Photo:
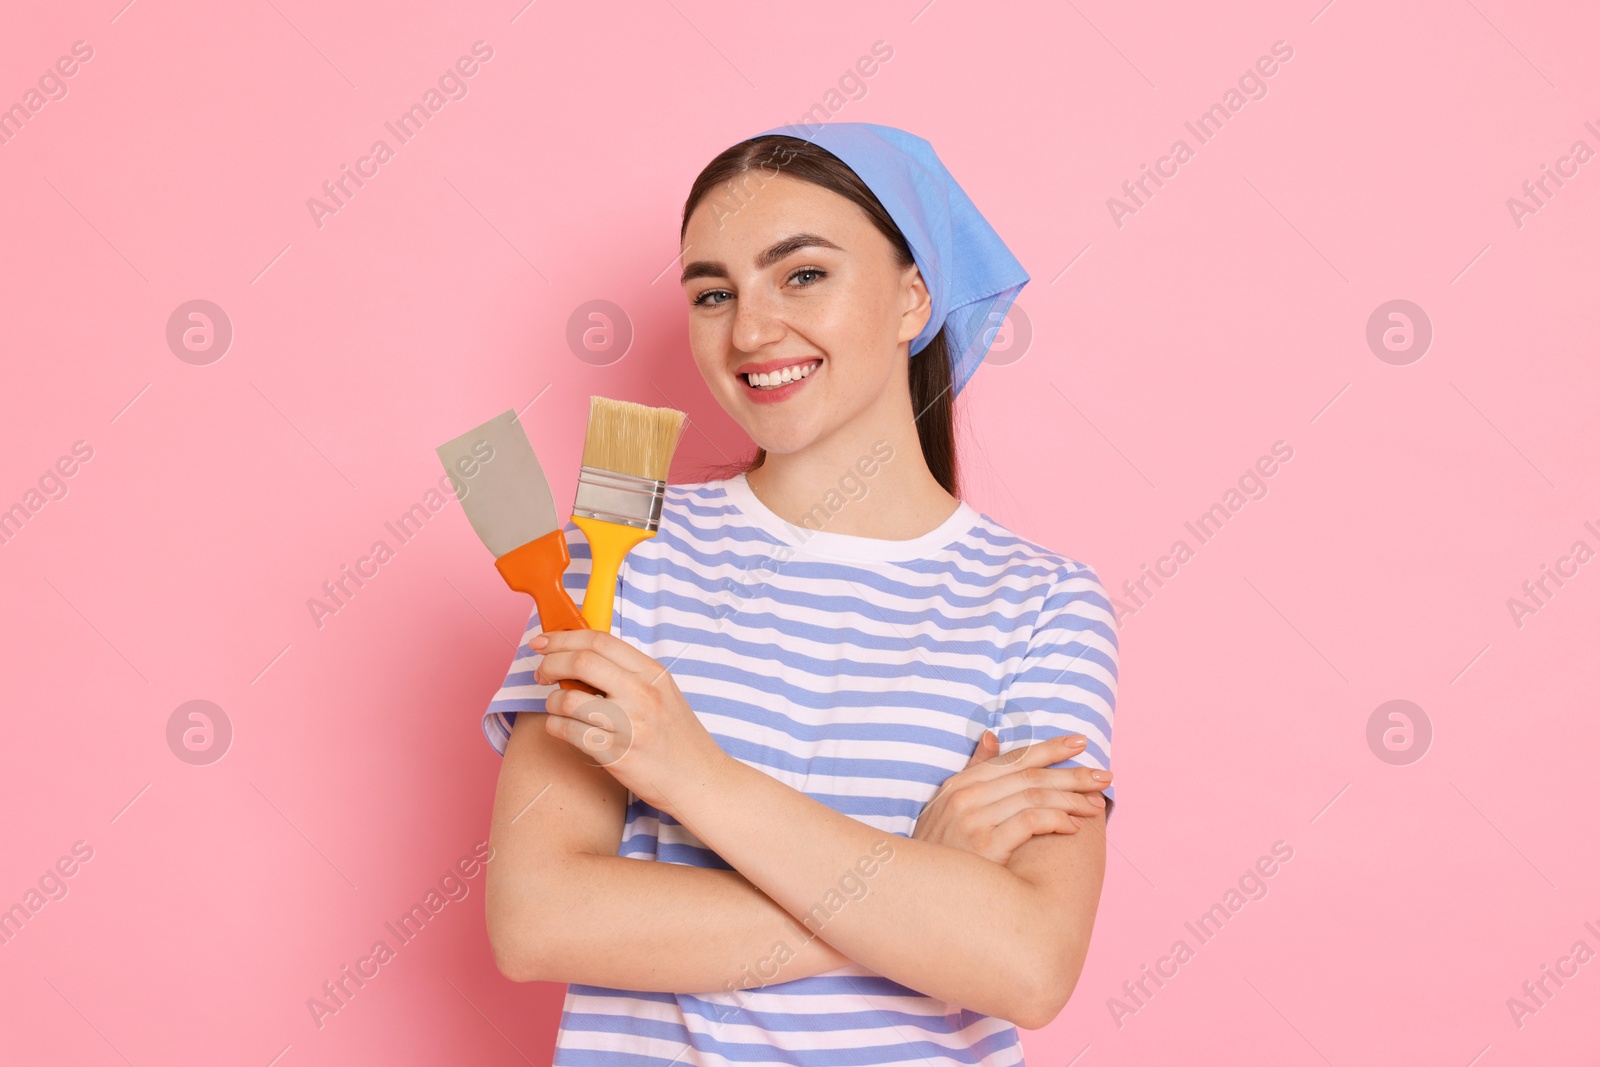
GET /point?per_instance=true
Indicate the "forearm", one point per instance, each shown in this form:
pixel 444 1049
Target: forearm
pixel 987 953
pixel 662 927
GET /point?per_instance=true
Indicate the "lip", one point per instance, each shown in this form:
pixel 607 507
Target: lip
pixel 782 392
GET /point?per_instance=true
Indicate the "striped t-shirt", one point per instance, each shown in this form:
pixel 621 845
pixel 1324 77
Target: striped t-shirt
pixel 862 672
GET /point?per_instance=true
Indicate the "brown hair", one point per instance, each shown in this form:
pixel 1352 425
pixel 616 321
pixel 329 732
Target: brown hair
pixel 932 399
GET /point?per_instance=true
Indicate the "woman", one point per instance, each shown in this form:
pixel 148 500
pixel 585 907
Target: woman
pixel 801 658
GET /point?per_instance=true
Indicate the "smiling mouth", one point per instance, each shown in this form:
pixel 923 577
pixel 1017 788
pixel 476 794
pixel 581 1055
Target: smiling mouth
pixel 780 378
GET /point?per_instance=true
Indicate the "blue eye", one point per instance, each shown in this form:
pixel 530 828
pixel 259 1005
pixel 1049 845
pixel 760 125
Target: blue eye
pixel 704 298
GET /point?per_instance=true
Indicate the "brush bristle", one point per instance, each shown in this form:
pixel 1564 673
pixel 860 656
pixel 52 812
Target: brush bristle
pixel 631 438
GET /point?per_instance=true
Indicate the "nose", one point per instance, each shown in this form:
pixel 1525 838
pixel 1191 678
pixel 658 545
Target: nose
pixel 756 320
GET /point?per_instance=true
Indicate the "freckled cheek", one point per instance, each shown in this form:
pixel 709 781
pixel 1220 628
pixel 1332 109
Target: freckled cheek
pixel 853 342
pixel 708 344
pixel 834 327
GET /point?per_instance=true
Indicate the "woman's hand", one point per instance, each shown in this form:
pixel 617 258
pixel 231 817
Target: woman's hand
pixel 642 730
pixel 997 802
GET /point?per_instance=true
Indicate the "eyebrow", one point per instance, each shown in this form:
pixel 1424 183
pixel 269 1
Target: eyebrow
pixel 706 268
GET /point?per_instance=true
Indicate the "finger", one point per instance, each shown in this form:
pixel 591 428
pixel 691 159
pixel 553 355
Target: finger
pixel 986 748
pixel 568 702
pixel 1038 782
pixel 1079 779
pixel 602 725
pixel 588 665
pixel 1087 805
pixel 608 645
pixel 1009 835
pixel 1038 754
pixel 1074 779
pixel 590 738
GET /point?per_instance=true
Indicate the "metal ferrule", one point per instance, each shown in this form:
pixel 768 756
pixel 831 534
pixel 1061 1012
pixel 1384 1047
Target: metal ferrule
pixel 620 498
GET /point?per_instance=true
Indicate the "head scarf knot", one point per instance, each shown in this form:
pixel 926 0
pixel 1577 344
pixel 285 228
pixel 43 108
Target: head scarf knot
pixel 971 275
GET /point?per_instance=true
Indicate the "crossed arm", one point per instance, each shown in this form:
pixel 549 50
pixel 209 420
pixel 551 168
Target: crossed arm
pixel 1007 941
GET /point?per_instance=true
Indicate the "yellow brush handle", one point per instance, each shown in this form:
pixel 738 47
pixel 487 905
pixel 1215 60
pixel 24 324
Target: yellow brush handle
pixel 608 543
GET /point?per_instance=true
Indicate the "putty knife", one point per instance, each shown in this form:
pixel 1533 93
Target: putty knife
pixel 507 499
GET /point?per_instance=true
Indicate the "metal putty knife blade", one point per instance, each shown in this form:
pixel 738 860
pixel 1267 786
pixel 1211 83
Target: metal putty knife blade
pixel 500 484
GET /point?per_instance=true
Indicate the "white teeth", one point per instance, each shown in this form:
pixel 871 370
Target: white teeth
pixel 784 376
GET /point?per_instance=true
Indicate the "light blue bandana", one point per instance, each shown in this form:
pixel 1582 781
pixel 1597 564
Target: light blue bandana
pixel 970 273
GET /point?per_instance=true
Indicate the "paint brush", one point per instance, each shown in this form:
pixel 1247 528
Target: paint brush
pixel 627 451
pixel 503 490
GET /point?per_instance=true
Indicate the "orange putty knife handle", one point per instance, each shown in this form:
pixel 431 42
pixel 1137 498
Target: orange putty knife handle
pixel 536 569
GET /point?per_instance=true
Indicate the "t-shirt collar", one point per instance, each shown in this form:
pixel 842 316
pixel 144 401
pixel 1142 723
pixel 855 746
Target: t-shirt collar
pixel 821 541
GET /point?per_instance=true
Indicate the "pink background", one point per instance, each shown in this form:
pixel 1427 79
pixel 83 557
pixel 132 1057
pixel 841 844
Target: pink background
pixel 1167 355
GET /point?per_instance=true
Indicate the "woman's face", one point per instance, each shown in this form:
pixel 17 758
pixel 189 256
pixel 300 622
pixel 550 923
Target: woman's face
pixel 786 278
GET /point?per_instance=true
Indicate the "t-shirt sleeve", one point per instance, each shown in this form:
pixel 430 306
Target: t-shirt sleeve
pixel 519 693
pixel 1067 682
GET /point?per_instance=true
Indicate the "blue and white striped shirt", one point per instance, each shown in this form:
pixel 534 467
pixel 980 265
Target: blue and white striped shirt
pixel 862 672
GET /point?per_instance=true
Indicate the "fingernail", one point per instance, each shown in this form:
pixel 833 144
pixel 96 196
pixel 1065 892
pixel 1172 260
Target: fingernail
pixel 1100 776
pixel 538 641
pixel 1074 739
